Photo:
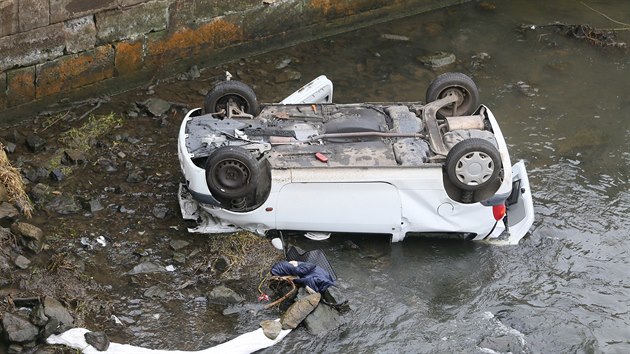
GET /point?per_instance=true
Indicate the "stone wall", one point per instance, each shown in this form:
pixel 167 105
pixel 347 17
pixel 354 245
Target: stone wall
pixel 50 48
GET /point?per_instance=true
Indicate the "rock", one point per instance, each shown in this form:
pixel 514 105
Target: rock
pixel 31 236
pixel 9 147
pixel 21 262
pixel 179 244
pixel 288 75
pixel 155 292
pixel 156 106
pixel 135 177
pixel 64 205
pixel 35 143
pixel 437 60
pixel 56 175
pixel 98 340
pixel 502 344
pixel 283 63
pixel 95 205
pixel 146 267
pixel 271 328
pixel 526 89
pixel 74 156
pixel 193 73
pixel 55 310
pixel 39 193
pixel 18 328
pixel 38 316
pixel 394 37
pixel 36 174
pixel 322 320
pixel 160 211
pixel 487 6
pixel 223 295
pixel 297 312
pixel 8 211
pixel 51 327
pixel 15 349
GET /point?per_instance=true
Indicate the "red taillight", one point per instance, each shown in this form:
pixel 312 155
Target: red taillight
pixel 498 211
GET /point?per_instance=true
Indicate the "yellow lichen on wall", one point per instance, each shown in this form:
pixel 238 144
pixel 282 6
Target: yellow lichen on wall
pixel 333 7
pixel 129 57
pixel 193 41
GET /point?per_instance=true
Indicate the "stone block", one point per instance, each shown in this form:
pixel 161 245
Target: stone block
pixel 208 9
pixel 125 3
pixel 20 86
pixel 8 17
pixel 32 47
pixel 61 10
pixel 80 34
pixel 129 23
pixel 33 14
pixel 129 56
pixel 286 16
pixel 75 70
pixel 331 9
pixel 166 47
pixel 181 14
pixel 3 90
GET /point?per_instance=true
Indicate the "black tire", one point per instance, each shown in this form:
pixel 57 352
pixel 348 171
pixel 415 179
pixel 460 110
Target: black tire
pixel 236 91
pixel 454 83
pixel 231 172
pixel 473 164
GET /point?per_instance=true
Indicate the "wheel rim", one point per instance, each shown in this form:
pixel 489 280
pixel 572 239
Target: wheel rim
pixel 461 105
pixel 474 168
pixel 225 101
pixel 231 175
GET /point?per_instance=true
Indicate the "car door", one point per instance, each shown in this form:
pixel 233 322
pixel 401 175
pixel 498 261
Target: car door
pixel 372 207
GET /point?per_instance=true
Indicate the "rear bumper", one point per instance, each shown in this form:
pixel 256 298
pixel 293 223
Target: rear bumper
pixel 520 210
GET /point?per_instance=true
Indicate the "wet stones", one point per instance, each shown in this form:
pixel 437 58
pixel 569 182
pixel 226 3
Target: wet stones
pixel 156 106
pixel 34 322
pixel 19 329
pixel 222 295
pixel 35 143
pixel 98 340
pixel 298 311
pixel 271 329
pixel 437 60
pixel 30 236
pixel 288 75
pixel 54 310
pixel 8 211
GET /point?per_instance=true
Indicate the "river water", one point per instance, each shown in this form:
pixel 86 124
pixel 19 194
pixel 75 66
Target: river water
pixel 564 107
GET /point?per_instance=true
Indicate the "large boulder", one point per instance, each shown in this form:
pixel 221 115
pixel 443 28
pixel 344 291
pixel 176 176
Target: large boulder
pixel 18 328
pixel 271 328
pixel 55 310
pixel 31 236
pixel 297 312
pixel 222 295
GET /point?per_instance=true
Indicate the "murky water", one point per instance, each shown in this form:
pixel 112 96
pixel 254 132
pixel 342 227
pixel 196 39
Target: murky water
pixel 564 106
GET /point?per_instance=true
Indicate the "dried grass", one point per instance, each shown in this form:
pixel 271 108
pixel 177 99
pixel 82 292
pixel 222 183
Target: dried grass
pixel 11 178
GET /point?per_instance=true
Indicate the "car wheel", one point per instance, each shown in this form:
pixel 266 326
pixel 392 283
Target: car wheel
pixel 458 84
pixel 473 163
pixel 231 172
pixel 227 92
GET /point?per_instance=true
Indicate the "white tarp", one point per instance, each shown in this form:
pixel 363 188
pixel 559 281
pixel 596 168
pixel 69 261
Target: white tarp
pixel 243 344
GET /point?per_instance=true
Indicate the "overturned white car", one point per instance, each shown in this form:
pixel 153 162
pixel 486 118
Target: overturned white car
pixel 307 164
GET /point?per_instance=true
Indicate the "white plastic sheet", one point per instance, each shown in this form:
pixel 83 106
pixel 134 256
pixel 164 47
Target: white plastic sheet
pixel 243 344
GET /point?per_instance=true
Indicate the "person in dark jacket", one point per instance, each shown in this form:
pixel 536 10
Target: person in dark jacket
pixel 310 275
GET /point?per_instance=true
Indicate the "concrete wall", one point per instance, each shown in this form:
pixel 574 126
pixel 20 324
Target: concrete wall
pixel 51 48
